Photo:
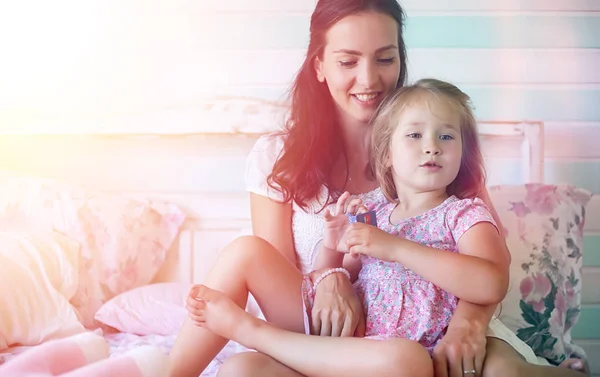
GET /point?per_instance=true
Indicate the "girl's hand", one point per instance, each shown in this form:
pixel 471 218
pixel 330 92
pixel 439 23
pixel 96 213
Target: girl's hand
pixel 336 223
pixel 368 240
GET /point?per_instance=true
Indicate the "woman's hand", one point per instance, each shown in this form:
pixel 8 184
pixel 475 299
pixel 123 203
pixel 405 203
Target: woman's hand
pixel 368 240
pixel 337 311
pixel 336 223
pixel 461 349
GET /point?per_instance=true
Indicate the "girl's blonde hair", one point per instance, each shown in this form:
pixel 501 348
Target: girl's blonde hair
pixel 471 176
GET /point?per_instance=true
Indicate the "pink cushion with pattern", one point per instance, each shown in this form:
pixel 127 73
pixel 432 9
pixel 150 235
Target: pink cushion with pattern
pixel 544 225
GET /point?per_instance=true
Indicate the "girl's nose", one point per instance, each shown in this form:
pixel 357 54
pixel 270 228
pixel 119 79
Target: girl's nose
pixel 433 150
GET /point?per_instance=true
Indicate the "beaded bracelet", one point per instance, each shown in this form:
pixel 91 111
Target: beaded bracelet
pixel 330 272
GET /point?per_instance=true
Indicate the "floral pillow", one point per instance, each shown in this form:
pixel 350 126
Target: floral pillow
pixel 124 241
pixel 544 232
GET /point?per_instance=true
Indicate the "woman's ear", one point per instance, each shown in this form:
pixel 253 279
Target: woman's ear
pixel 318 65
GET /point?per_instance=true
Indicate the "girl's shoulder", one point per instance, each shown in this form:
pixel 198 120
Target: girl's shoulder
pixel 454 204
pixel 462 214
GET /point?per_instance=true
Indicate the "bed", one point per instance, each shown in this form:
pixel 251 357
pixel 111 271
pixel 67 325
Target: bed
pixel 184 189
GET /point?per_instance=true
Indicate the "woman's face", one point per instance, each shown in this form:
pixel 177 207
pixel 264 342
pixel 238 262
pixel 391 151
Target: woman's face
pixel 360 64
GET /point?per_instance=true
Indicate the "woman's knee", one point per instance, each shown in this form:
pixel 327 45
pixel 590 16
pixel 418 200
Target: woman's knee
pixel 247 248
pixel 502 360
pixel 245 364
pixel 408 358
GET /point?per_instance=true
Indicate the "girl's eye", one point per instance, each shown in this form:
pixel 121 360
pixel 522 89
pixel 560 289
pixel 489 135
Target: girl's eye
pixel 446 137
pixel 347 64
pixel 387 61
pixel 414 135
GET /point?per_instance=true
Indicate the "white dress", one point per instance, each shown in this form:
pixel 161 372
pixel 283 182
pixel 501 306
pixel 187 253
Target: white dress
pixel 308 227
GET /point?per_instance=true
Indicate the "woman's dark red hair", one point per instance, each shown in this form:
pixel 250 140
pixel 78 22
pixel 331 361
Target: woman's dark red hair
pixel 312 143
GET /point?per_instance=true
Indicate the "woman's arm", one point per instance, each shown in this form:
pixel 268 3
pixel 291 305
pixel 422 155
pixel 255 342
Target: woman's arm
pixel 464 343
pixel 336 310
pixel 272 221
pixel 328 258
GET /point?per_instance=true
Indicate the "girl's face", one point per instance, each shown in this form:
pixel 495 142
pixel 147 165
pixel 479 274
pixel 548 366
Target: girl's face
pixel 360 64
pixel 426 147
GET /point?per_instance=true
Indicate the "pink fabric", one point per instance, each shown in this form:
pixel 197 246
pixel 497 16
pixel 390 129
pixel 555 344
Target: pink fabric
pixel 121 366
pixel 121 345
pixel 399 303
pixel 544 226
pixel 71 358
pixel 123 240
pixel 38 277
pixel 51 358
pixel 152 309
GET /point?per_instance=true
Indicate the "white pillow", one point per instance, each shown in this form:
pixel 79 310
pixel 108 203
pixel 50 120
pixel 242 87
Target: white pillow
pixel 38 277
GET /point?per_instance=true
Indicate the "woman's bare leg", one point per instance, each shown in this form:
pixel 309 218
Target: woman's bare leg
pixel 254 364
pixel 503 361
pixel 314 356
pixel 247 264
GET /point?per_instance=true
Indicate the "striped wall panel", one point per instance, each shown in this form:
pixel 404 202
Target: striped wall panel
pixel 274 31
pixel 408 5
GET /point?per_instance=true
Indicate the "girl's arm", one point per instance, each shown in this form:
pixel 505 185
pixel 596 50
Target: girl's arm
pixel 478 273
pixel 485 196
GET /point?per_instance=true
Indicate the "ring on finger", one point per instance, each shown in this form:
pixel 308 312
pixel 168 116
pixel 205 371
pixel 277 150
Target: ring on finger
pixel 470 371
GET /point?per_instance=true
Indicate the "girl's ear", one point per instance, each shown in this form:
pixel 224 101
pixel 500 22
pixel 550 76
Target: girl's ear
pixel 388 159
pixel 318 65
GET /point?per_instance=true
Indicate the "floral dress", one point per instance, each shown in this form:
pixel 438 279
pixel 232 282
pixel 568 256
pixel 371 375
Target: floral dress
pixel 398 303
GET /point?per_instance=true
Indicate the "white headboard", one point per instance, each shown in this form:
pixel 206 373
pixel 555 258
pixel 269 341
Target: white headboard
pixel 529 134
pixel 203 172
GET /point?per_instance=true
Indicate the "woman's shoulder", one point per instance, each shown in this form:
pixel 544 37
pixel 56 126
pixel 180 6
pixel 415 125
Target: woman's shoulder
pixel 269 143
pixel 260 162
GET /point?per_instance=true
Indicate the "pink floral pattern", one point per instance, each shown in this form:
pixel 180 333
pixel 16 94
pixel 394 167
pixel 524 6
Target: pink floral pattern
pixel 123 240
pixel 544 226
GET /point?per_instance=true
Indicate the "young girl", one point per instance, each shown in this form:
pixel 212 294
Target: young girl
pixel 427 159
pixel 444 244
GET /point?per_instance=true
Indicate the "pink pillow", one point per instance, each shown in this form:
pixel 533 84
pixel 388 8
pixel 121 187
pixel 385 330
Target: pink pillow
pixel 151 309
pixel 123 240
pixel 544 233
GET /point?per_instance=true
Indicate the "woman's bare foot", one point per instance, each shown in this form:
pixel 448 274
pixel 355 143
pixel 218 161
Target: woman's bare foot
pixel 222 316
pixel 577 365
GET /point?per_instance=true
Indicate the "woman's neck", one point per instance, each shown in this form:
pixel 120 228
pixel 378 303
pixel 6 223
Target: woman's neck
pixel 356 143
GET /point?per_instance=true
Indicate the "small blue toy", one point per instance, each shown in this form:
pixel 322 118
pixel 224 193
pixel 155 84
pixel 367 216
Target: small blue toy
pixel 367 218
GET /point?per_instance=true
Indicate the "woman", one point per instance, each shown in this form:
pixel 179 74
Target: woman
pixel 356 56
